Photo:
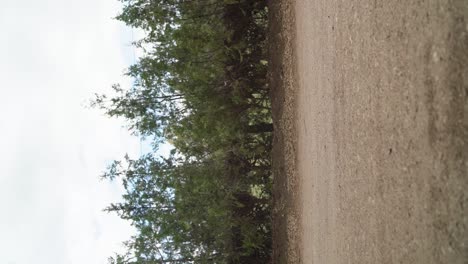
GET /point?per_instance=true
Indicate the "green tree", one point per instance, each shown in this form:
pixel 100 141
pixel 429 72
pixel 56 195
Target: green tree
pixel 201 86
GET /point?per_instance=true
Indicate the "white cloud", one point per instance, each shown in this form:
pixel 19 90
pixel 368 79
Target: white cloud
pixel 54 55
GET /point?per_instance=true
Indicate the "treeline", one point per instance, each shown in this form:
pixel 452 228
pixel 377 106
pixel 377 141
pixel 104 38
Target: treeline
pixel 201 86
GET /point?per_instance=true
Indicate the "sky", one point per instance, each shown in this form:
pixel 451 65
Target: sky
pixel 54 55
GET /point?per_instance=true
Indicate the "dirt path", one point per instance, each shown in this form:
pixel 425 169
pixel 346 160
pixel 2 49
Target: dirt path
pixel 381 155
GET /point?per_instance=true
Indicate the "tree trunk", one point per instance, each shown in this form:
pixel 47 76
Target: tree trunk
pixel 260 128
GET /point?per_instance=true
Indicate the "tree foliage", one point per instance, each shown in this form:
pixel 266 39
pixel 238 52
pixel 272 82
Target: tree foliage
pixel 201 85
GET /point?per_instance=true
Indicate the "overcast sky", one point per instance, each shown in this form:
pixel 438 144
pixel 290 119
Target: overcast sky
pixel 54 55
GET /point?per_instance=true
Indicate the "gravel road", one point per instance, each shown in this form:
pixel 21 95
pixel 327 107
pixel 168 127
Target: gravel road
pixel 382 131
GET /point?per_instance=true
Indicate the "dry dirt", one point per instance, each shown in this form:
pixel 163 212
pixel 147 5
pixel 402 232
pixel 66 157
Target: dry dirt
pixel 370 105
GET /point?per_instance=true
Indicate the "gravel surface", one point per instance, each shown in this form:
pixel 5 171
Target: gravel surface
pixel 378 157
